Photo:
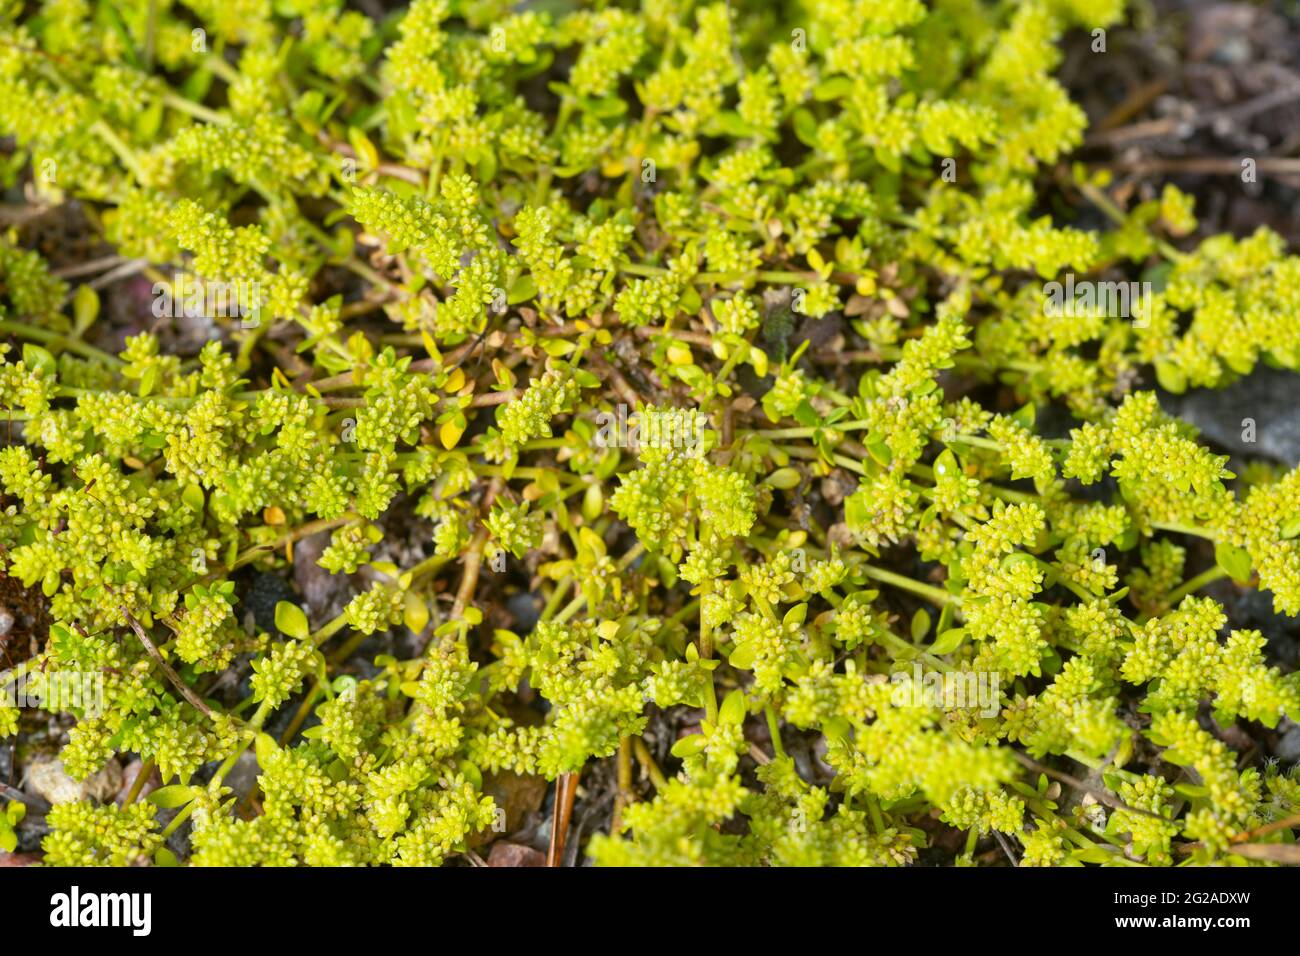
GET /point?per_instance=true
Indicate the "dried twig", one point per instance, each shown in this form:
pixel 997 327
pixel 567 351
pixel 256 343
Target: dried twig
pixel 616 380
pixel 76 270
pixel 36 804
pixel 625 794
pixel 566 788
pixel 1115 803
pixel 486 399
pixel 128 268
pixel 1169 126
pixel 1287 853
pixel 1146 129
pixel 1006 848
pixel 172 676
pixel 1246 836
pixel 473 564
pixel 1133 104
pixel 1208 165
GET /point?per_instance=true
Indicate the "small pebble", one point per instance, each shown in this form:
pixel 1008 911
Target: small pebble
pixel 1288 745
pixel 514 854
pixel 48 779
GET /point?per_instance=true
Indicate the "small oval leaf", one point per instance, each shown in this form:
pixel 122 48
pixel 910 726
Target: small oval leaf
pixel 734 708
pixel 291 621
pixel 690 746
pixel 920 624
pixel 948 641
pixel 169 798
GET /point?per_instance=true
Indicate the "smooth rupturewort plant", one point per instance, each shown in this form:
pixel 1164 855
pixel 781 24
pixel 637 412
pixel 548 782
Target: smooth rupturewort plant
pixel 466 231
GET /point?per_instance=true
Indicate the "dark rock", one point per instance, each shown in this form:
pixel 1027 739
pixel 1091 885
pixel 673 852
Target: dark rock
pixel 752 384
pixel 179 841
pixel 1288 745
pixel 525 610
pixel 818 332
pixel 1270 398
pixel 407 643
pixel 243 774
pixel 1054 421
pixel 779 320
pixel 1248 609
pixel 513 854
pixel 31 830
pixel 265 590
pixel 323 594
pixel 515 794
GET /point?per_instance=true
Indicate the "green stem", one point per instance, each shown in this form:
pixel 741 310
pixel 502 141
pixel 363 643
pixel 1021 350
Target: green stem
pixel 248 555
pixel 124 152
pixel 877 819
pixel 150 34
pixel 557 596
pixel 976 441
pixel 217 64
pixel 648 764
pixel 579 602
pixel 197 110
pixel 179 819
pixel 900 647
pixel 1195 584
pixel 60 341
pixel 935 595
pixel 253 728
pixel 686 611
pixel 1107 205
pixel 141 778
pixel 328 630
pixel 774 730
pixel 1183 529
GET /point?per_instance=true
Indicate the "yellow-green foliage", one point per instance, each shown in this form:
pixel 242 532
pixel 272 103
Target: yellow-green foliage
pixel 460 240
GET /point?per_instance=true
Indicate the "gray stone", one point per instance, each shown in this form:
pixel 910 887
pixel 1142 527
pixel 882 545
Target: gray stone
pixel 263 593
pixel 47 778
pixel 1268 397
pixel 1288 745
pixel 323 594
pixel 243 774
pixel 526 610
